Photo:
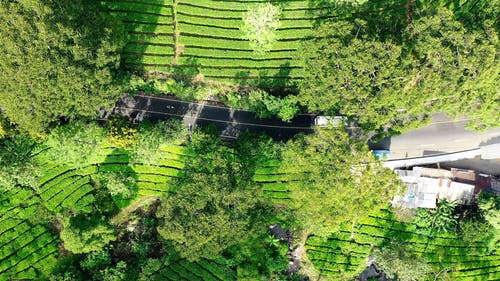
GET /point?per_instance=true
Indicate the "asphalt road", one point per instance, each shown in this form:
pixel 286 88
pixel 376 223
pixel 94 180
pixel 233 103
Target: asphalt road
pixel 229 122
pixel 441 136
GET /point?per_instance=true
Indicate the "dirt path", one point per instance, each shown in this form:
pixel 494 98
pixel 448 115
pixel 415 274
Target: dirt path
pixel 124 214
pixel 307 267
pixel 177 47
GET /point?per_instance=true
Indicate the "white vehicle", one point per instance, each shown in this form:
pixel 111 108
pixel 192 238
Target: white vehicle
pixel 323 121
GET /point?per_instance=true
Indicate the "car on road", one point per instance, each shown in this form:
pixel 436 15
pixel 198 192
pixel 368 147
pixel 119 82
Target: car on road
pixel 323 121
pixel 381 154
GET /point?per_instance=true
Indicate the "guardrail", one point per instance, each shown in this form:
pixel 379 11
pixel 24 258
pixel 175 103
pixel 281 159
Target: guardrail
pixel 486 152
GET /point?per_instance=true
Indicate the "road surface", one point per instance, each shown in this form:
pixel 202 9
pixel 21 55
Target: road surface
pixel 441 136
pixel 229 122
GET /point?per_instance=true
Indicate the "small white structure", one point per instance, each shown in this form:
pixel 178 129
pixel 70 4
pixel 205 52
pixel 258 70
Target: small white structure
pixel 424 191
pixel 323 121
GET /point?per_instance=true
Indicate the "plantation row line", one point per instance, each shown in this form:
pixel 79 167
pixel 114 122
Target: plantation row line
pixel 199 62
pixel 240 6
pixel 157 3
pixel 193 271
pixel 25 249
pixel 339 254
pixel 156 9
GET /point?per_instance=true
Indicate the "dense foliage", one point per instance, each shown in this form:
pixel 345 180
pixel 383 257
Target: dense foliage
pixel 211 208
pixel 490 206
pixel 17 168
pixel 127 201
pixel 59 60
pixel 82 234
pixel 340 180
pixel 400 264
pixel 441 219
pixel 77 144
pixel 363 70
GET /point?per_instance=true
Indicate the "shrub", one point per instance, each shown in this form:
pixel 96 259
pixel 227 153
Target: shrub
pixel 403 214
pixel 121 132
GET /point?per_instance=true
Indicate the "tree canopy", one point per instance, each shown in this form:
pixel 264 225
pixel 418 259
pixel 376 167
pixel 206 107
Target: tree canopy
pixel 59 59
pixel 17 167
pixel 210 210
pixel 400 264
pixel 340 180
pixel 260 24
pixel 83 234
pixel 395 80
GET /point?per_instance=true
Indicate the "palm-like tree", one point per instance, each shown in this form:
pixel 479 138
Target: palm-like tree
pixel 441 219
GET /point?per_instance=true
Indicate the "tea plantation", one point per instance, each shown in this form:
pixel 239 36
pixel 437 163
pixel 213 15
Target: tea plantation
pixel 204 38
pixel 464 261
pixel 339 255
pixel 92 189
pixel 28 248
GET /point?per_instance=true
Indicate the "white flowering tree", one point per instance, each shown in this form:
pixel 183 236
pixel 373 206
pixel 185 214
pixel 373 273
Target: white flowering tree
pixel 260 24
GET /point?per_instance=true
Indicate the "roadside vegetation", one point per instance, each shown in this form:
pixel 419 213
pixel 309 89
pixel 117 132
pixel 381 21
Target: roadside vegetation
pixel 116 200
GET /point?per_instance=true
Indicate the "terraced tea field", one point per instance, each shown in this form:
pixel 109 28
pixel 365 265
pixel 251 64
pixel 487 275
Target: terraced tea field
pixel 61 183
pixel 338 254
pixel 176 269
pixel 203 38
pixel 27 248
pixel 274 180
pixel 209 41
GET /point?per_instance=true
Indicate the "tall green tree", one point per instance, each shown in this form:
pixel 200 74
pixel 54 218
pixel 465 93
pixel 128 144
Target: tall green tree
pixel 490 207
pixel 260 24
pixel 338 180
pixel 211 208
pixel 457 69
pixel 354 74
pixel 398 263
pixel 59 59
pixel 75 144
pixel 85 234
pixel 394 80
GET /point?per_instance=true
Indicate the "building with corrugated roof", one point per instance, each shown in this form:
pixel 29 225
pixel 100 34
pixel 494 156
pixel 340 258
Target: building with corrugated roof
pixel 426 186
